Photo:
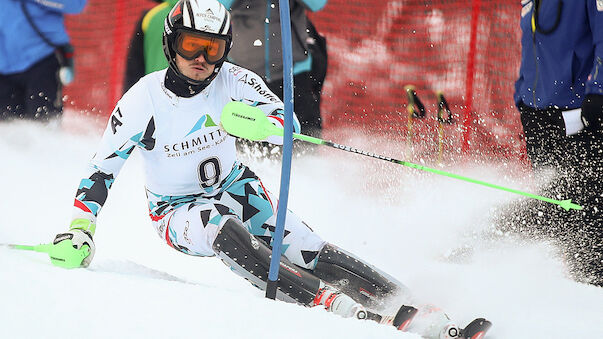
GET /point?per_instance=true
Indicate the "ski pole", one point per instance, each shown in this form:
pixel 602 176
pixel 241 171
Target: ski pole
pixel 251 123
pixel 415 109
pixel 62 254
pixel 442 108
pixel 45 248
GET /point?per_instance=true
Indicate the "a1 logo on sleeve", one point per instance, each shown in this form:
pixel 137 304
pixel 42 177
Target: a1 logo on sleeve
pixel 115 121
pixel 600 5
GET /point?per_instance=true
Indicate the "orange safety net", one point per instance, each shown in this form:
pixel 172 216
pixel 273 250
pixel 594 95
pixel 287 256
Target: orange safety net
pixel 468 49
pixel 100 36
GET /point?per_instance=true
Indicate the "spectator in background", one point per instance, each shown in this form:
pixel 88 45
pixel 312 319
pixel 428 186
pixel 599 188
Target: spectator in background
pixel 257 46
pixel 145 53
pixel 34 57
pixel 317 48
pixel 559 95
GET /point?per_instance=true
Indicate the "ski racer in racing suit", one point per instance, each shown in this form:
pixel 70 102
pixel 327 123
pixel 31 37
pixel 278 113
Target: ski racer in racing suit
pixel 202 200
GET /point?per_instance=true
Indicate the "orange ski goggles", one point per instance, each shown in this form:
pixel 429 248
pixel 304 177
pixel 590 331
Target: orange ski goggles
pixel 190 45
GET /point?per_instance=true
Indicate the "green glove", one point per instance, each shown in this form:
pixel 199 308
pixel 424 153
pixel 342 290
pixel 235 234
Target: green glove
pixel 74 248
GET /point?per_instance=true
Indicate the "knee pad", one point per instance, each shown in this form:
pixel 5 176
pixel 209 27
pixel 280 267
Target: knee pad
pixel 354 277
pixel 250 258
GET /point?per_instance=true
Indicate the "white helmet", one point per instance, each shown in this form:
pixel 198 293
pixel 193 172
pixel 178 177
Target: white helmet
pixel 194 28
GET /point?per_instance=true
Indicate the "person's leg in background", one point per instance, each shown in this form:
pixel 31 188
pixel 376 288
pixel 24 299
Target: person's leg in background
pixel 43 91
pixel 577 161
pixel 544 135
pixel 306 104
pixel 12 100
pixel 585 243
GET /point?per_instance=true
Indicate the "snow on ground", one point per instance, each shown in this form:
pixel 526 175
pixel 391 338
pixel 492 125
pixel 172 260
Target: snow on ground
pixel 400 220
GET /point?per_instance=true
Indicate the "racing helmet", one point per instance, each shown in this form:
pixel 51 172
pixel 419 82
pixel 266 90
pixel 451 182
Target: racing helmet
pixel 194 28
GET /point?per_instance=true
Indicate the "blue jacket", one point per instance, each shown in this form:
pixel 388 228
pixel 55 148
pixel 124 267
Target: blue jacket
pixel 20 45
pixel 560 68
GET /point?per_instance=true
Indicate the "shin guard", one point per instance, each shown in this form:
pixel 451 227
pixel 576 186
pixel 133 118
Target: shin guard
pixel 250 258
pixel 354 277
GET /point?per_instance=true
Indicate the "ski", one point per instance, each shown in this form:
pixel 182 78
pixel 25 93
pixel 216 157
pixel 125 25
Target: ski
pixel 404 317
pixel 476 329
pixel 400 320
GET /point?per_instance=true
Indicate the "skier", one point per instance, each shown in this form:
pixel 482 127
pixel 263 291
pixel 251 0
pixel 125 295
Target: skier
pixel 202 200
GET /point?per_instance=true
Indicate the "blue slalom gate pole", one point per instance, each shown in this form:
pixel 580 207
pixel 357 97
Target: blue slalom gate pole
pixel 277 239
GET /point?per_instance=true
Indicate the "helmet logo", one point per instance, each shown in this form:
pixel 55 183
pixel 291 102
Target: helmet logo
pixel 177 11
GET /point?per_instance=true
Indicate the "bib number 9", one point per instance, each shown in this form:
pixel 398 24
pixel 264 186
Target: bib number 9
pixel 209 172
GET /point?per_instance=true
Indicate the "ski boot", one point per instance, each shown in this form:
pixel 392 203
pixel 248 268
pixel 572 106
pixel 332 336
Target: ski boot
pixel 339 303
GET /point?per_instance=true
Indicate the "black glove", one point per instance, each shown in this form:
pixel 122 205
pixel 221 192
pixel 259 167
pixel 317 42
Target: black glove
pixel 592 112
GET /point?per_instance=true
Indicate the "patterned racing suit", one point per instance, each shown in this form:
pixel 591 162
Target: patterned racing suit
pixel 192 176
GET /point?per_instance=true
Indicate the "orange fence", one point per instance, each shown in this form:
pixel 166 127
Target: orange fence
pixel 469 49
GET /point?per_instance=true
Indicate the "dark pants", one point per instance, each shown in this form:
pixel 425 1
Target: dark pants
pixel 32 94
pixel 578 162
pixel 306 102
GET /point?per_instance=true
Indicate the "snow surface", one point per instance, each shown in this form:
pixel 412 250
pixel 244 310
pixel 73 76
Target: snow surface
pixel 400 220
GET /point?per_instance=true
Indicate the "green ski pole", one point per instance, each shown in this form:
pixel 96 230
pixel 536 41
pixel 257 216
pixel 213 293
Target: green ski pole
pixel 251 123
pixel 45 248
pixel 62 254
